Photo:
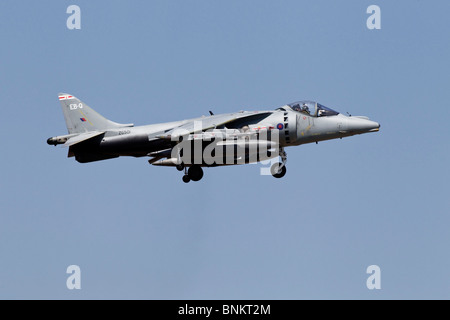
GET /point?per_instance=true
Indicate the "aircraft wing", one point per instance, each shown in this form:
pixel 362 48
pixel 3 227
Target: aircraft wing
pixel 82 137
pixel 230 121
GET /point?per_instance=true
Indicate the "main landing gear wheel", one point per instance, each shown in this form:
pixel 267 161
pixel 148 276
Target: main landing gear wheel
pixel 186 178
pixel 278 170
pixel 195 173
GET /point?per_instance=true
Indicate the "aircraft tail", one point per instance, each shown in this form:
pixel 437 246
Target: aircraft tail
pixel 81 118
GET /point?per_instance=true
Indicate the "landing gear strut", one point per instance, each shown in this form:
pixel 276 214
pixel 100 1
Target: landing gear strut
pixel 278 170
pixel 194 173
pixel 180 166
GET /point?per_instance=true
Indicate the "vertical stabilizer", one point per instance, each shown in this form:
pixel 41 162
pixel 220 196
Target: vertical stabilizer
pixel 81 118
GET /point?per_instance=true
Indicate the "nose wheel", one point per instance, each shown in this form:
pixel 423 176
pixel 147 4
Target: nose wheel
pixel 194 173
pixel 278 170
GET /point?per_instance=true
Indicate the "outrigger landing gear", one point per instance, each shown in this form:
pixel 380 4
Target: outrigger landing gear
pixel 194 173
pixel 278 170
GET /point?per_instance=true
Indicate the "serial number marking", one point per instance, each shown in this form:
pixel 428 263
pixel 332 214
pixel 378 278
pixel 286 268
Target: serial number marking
pixel 74 106
pixel 122 132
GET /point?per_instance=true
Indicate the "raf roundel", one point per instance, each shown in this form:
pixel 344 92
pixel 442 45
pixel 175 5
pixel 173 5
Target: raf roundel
pixel 280 126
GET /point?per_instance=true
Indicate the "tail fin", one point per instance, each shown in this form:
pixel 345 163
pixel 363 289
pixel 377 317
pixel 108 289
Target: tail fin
pixel 81 118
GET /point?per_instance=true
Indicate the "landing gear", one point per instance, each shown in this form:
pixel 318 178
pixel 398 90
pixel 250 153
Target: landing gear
pixel 180 166
pixel 186 178
pixel 194 173
pixel 278 170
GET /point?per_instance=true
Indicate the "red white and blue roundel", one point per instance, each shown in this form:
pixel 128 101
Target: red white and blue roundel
pixel 280 126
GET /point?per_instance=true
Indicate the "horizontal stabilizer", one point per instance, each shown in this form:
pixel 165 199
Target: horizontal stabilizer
pixel 82 137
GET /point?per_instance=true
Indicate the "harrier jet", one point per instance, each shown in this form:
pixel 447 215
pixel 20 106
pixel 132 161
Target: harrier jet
pixel 208 141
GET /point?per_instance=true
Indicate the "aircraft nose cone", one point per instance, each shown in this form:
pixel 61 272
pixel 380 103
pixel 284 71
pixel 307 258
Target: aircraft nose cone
pixel 376 126
pixel 356 124
pixel 372 126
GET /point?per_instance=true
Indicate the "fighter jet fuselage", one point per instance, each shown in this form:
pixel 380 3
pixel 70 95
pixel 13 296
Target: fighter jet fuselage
pixel 208 141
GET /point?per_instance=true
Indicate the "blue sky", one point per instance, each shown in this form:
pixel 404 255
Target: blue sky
pixel 137 231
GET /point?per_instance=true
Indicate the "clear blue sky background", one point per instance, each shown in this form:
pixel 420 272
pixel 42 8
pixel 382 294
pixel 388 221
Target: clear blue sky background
pixel 138 231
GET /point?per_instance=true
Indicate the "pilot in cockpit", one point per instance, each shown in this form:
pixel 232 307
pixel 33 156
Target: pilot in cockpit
pixel 296 107
pixel 305 108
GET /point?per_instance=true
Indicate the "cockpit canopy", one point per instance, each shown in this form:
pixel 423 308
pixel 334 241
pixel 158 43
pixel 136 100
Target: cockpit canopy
pixel 312 108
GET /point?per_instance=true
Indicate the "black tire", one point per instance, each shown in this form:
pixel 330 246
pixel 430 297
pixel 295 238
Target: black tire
pixel 186 178
pixel 195 173
pixel 180 167
pixel 276 172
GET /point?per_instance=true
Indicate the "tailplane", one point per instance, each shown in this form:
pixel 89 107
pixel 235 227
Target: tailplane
pixel 81 118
